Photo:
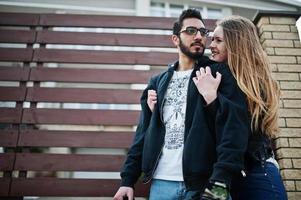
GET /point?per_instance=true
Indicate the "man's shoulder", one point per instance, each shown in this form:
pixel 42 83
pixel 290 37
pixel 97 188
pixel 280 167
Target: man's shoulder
pixel 170 68
pixel 158 76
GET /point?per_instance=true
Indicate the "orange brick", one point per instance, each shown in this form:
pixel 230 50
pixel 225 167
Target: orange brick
pixel 273 27
pixel 289 185
pixel 263 20
pixel 298 185
pixel 295 142
pixel 296 163
pixel 293 122
pixel 287 112
pixel 291 174
pixel 290 94
pixel 292 103
pixel 281 142
pixel 290 132
pixel 290 85
pixel 297 43
pixel 289 68
pixel 281 122
pixel 288 51
pixel 294 195
pixel 283 59
pixel 285 76
pixel 288 153
pixel 285 36
pixel 282 20
pixel 277 43
pixel 285 163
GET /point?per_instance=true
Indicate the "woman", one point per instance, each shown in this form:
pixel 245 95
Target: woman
pixel 235 41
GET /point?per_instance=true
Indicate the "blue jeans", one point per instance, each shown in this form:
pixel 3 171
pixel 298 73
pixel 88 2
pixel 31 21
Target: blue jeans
pixel 261 183
pixel 172 190
pixel 167 190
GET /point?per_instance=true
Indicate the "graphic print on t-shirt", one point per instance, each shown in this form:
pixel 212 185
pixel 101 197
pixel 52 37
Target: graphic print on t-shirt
pixel 174 110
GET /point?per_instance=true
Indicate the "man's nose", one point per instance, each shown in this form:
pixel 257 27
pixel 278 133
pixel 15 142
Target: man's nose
pixel 198 35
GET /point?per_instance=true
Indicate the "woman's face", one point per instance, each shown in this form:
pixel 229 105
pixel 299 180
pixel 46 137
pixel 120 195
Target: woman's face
pixel 217 46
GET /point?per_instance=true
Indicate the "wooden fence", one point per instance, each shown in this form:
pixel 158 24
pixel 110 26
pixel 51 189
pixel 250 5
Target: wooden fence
pixel 71 84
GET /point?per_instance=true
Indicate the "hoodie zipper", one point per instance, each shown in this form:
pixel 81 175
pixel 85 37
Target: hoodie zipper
pixel 161 117
pixel 156 163
pixel 157 160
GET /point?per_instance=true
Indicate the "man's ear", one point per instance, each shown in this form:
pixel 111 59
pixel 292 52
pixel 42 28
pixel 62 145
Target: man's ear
pixel 176 40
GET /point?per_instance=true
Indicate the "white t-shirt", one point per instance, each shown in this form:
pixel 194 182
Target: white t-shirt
pixel 174 110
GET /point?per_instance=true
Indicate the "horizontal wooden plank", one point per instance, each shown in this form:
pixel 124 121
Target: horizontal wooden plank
pixel 8 138
pixel 68 162
pixel 103 57
pixel 106 21
pixel 4 186
pixel 10 115
pixel 111 39
pixel 12 94
pixel 91 75
pixel 70 187
pixel 109 21
pixel 92 139
pixel 7 161
pixel 76 117
pixel 18 19
pixel 14 73
pixel 17 36
pixel 75 95
pixel 16 54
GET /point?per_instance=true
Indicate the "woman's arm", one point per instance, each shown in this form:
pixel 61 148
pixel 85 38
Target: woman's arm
pixel 232 128
pixel 227 107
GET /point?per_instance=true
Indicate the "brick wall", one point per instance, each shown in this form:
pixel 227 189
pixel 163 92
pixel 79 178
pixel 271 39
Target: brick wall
pixel 279 37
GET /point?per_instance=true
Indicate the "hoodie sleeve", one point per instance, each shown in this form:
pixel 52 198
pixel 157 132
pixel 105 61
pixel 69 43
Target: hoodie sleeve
pixel 232 128
pixel 131 170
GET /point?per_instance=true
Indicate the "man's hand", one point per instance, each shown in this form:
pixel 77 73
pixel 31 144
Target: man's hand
pixel 124 192
pixel 151 99
pixel 206 84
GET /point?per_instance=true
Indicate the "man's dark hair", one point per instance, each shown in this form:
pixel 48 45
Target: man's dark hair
pixel 189 13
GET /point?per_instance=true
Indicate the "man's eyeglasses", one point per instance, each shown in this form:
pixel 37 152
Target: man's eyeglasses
pixel 191 30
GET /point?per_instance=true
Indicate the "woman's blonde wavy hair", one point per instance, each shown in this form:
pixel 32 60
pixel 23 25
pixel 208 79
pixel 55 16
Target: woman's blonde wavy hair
pixel 250 66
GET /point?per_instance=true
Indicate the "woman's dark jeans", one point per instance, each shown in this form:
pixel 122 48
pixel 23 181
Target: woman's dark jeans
pixel 262 182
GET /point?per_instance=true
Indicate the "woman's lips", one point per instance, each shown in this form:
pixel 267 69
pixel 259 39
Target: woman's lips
pixel 213 54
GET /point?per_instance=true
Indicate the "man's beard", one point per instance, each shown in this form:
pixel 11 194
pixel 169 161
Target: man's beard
pixel 196 55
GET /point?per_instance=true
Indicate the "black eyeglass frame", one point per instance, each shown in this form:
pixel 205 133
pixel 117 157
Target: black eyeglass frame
pixel 203 31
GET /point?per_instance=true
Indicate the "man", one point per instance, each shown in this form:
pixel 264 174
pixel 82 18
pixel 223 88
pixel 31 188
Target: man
pixel 174 146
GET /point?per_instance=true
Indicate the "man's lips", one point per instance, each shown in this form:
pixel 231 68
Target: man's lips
pixel 198 45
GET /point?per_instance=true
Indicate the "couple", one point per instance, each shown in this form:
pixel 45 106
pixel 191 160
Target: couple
pixel 204 136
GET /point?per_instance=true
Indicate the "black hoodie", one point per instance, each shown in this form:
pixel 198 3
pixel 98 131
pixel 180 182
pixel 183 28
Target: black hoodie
pixel 214 140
